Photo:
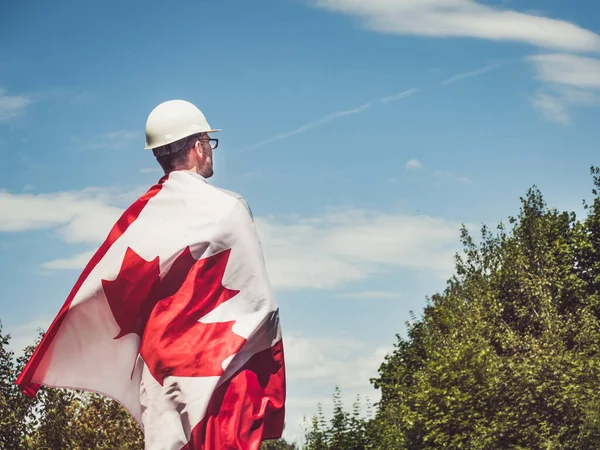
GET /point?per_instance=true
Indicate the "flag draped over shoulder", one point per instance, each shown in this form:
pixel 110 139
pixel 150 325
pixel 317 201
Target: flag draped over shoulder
pixel 174 317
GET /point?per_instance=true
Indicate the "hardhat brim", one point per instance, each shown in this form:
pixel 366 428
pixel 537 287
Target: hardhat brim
pixel 150 147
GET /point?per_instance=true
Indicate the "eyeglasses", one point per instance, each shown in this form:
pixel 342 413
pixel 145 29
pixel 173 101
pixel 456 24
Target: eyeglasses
pixel 214 143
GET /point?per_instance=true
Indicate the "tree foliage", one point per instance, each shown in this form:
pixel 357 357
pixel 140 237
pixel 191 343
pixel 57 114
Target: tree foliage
pixel 344 431
pixel 59 418
pixel 508 356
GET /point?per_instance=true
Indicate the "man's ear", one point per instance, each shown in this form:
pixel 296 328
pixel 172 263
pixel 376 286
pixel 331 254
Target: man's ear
pixel 198 149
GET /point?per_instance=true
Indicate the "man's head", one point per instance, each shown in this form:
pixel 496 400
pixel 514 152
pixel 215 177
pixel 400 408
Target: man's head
pixel 179 136
pixel 192 153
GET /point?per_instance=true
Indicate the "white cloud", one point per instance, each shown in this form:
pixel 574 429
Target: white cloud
pixel 316 365
pixel 349 244
pixel 25 334
pixel 151 170
pixel 347 363
pixel 570 70
pixel 555 102
pixel 122 135
pixel 371 295
pixel 12 105
pixel 352 245
pixel 567 81
pixel 330 118
pixel 465 18
pixel 301 408
pixel 551 106
pixel 75 262
pixel 413 164
pixel 584 97
pixel 442 176
pixel 84 216
pixel 436 177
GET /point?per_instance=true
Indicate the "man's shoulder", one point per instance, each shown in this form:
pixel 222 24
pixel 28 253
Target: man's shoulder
pixel 238 197
pixel 188 184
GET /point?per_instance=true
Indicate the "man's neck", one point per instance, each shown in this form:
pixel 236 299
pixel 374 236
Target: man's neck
pixel 195 174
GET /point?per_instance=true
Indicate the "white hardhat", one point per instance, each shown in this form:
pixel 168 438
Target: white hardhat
pixel 174 120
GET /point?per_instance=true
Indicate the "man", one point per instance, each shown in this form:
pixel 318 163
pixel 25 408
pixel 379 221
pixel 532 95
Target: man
pixel 178 134
pixel 174 315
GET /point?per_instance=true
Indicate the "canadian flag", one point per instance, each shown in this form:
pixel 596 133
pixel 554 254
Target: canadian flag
pixel 175 318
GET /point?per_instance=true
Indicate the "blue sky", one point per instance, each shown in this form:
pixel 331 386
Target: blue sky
pixel 361 132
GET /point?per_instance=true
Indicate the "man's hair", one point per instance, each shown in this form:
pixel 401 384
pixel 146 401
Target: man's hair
pixel 175 154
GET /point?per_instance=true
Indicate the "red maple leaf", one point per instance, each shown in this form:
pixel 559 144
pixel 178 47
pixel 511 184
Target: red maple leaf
pixel 166 313
pixel 132 295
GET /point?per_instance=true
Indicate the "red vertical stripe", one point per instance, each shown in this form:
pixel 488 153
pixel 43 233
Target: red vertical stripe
pixel 128 217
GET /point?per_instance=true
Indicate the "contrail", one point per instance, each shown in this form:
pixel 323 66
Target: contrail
pixel 329 118
pixel 339 114
pixel 474 73
pixel 400 96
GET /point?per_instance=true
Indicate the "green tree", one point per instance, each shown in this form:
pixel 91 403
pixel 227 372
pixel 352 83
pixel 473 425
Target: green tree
pixel 357 427
pixel 508 355
pixel 57 412
pixel 102 423
pixel 339 429
pixel 316 436
pixel 278 444
pixel 345 431
pixel 18 418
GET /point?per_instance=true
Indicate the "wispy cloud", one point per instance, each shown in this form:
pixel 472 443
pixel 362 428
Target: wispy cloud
pixel 370 295
pixel 413 164
pixel 479 20
pixel 83 216
pixel 442 176
pixel 25 334
pixel 465 18
pixel 74 262
pixel 556 103
pixel 326 357
pixel 569 70
pixel 567 81
pixel 12 105
pixel 436 177
pixel 319 363
pixel 122 135
pixel 350 244
pixel 471 74
pixel 551 106
pixel 330 118
pixel 151 170
pixel 353 245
